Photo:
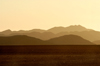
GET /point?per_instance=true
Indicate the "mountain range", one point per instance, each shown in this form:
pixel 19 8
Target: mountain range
pixel 55 32
pixel 26 40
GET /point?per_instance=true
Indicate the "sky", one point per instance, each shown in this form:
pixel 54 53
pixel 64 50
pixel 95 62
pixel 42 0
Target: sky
pixel 45 14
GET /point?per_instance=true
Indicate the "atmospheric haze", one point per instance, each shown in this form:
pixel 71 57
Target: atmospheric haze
pixel 44 14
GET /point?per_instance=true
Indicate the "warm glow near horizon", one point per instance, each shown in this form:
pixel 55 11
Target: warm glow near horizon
pixel 44 14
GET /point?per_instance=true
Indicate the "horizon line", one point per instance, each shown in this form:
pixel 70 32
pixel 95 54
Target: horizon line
pixel 46 29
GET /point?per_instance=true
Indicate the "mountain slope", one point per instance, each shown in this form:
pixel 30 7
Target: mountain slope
pixel 20 40
pixel 70 40
pixel 97 42
pixel 89 35
pixel 56 29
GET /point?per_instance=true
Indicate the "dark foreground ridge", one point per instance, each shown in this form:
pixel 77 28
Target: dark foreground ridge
pixel 70 40
pixel 26 40
pixel 20 40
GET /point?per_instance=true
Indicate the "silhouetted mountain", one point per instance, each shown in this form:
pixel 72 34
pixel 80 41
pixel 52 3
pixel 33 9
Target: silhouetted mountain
pixel 6 32
pixel 89 35
pixel 74 28
pixel 20 31
pixel 79 30
pixel 70 40
pixel 97 42
pixel 20 40
pixel 26 40
pixel 56 29
pixel 71 28
pixel 43 36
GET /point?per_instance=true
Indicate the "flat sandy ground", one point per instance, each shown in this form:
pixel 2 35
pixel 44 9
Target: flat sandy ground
pixel 49 55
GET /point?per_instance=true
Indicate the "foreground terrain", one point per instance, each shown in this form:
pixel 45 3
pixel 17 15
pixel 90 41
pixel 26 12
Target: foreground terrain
pixel 50 55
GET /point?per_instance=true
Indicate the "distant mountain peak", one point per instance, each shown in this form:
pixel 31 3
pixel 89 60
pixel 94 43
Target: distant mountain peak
pixel 78 26
pixel 71 28
pixel 75 28
pixel 8 30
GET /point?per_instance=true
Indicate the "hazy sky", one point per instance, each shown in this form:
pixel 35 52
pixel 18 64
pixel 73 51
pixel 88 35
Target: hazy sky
pixel 44 14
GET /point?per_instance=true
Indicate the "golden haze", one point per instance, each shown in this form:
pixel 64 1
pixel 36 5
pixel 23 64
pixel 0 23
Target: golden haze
pixel 44 14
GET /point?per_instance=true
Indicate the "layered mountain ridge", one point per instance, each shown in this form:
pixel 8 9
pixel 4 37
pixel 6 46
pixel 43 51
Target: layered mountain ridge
pixel 26 40
pixel 79 30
